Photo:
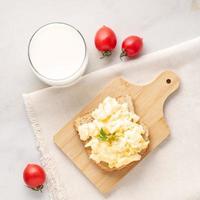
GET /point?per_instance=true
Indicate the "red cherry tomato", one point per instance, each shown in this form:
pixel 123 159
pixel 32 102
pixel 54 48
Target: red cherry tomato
pixel 34 176
pixel 131 46
pixel 105 40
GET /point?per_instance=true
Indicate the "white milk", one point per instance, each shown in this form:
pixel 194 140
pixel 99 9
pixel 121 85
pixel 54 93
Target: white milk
pixel 57 53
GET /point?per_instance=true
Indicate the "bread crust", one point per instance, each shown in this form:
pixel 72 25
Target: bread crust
pixel 88 118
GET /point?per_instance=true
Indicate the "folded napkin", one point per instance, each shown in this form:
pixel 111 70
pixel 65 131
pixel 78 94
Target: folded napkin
pixel 172 171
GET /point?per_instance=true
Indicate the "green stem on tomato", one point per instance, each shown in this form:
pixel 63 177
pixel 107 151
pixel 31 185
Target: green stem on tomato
pixel 105 54
pixel 123 54
pixel 38 188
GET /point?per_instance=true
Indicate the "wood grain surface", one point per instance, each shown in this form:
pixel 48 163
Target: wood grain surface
pixel 148 101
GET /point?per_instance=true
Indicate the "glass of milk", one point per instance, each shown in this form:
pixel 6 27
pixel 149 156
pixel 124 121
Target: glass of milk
pixel 58 54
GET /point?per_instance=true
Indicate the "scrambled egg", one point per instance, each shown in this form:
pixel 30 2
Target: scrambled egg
pixel 114 136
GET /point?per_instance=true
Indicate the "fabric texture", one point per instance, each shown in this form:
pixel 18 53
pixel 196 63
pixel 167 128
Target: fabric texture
pixel 170 172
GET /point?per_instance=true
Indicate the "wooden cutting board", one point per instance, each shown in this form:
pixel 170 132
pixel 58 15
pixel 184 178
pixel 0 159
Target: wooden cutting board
pixel 148 101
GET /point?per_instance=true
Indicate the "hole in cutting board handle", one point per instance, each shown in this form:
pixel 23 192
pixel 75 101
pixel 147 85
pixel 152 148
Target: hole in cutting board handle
pixel 168 81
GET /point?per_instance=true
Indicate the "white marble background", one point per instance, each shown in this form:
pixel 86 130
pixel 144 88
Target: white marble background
pixel 161 23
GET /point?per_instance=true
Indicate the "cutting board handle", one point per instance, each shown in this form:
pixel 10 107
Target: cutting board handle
pixel 156 92
pixel 164 85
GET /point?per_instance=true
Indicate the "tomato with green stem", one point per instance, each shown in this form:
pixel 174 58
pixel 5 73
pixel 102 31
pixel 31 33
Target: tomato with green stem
pixel 105 40
pixel 34 176
pixel 131 46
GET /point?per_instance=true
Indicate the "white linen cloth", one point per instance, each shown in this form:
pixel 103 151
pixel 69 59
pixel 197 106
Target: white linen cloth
pixel 172 171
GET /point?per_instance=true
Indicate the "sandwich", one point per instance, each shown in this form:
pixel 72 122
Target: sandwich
pixel 112 134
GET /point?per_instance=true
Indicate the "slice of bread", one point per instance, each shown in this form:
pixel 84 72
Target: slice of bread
pixel 88 118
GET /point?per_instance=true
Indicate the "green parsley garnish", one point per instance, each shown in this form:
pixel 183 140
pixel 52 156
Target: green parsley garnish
pixel 102 135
